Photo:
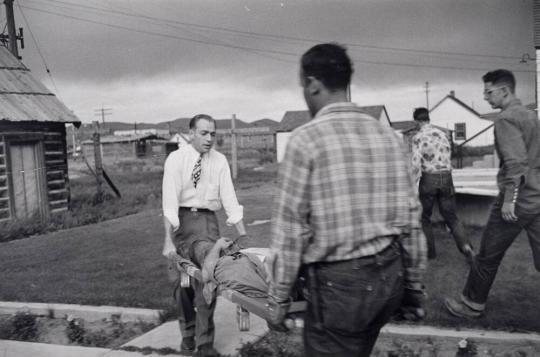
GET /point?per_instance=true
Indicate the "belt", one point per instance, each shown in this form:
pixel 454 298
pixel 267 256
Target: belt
pixel 195 209
pixel 437 172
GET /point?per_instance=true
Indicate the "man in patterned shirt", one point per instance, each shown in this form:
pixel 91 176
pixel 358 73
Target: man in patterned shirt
pixel 345 218
pixel 432 165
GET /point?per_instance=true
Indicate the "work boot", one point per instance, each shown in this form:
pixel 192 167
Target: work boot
pixel 459 309
pixel 187 347
pixel 206 350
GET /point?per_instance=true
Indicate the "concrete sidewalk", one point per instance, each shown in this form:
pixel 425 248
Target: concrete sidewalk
pixel 228 337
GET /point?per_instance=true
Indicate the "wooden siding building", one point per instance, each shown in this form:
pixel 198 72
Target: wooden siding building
pixel 33 156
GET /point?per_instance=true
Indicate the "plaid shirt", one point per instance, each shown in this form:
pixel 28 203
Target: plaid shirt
pixel 345 189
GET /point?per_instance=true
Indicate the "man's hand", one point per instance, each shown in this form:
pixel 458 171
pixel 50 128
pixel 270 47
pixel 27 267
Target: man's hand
pixel 412 305
pixel 224 243
pixel 508 212
pixel 169 250
pixel 277 310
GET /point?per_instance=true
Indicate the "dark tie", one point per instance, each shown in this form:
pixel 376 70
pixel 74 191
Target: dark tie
pixel 196 174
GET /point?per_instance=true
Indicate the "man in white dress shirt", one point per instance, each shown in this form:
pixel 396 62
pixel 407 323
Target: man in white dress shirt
pixel 196 183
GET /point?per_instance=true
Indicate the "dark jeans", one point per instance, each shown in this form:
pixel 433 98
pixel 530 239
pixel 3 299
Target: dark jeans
pixel 349 302
pixel 497 238
pixel 195 316
pixel 440 188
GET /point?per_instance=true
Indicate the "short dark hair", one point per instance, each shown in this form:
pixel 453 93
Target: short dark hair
pixel 421 114
pixel 193 122
pixel 501 76
pixel 329 63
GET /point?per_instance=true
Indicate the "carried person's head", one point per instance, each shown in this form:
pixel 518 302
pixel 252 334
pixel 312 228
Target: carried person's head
pixel 499 88
pixel 421 115
pixel 202 129
pixel 325 74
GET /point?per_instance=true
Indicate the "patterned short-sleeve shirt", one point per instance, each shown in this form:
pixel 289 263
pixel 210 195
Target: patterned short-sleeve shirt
pixel 431 151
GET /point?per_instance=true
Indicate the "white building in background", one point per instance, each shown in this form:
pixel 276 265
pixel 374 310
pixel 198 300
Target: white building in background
pixel 452 114
pixel 180 139
pixel 131 132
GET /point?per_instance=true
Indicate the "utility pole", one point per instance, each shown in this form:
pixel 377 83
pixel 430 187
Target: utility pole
pixel 12 33
pixel 427 95
pixel 98 163
pixel 233 148
pixel 102 113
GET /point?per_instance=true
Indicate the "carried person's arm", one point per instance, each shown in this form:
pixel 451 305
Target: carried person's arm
pixel 212 257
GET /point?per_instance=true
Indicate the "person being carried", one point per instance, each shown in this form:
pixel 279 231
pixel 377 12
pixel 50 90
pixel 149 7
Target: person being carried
pixel 223 264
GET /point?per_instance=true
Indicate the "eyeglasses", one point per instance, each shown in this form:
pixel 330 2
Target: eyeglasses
pixel 489 91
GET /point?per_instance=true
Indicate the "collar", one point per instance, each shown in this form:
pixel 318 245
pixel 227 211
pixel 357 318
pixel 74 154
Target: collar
pixel 514 102
pixel 334 107
pixel 195 152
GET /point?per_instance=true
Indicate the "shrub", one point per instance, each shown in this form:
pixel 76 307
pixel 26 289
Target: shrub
pixel 75 331
pixel 24 327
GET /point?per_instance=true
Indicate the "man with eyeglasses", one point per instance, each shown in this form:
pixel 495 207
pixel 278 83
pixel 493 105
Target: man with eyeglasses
pixel 517 208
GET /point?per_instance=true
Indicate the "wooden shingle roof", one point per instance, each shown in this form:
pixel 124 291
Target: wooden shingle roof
pixel 23 98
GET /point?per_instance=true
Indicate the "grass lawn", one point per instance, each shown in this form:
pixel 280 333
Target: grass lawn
pixel 119 262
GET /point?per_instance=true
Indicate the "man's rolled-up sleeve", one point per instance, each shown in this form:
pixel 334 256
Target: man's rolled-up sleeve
pixel 511 146
pixel 290 228
pixel 234 211
pixel 169 195
pixel 414 245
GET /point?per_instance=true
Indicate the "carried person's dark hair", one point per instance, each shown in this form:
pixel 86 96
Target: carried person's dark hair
pixel 421 114
pixel 501 77
pixel 329 63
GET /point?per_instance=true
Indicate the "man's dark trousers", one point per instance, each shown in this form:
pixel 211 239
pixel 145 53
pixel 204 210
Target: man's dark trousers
pixel 439 187
pixel 199 324
pixel 350 301
pixel 496 239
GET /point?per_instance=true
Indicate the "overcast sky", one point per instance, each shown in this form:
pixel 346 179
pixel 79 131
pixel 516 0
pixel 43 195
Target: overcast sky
pixel 158 60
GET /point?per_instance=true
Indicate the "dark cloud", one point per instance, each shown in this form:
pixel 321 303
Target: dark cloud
pixel 156 41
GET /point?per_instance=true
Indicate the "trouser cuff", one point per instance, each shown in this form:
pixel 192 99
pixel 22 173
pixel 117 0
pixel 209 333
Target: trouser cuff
pixel 472 305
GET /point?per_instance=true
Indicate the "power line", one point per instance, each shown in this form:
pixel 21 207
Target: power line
pixel 39 50
pixel 160 34
pixel 284 37
pixel 246 48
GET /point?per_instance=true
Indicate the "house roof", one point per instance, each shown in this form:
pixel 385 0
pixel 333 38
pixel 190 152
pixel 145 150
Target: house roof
pixel 405 126
pixel 295 118
pixel 453 98
pixel 111 139
pixel 409 126
pixel 23 98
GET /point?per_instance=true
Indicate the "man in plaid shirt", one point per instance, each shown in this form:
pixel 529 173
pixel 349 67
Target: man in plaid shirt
pixel 345 219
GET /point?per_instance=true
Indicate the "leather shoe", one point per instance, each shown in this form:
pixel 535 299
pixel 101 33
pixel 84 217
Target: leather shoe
pixel 187 347
pixel 206 350
pixel 459 309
